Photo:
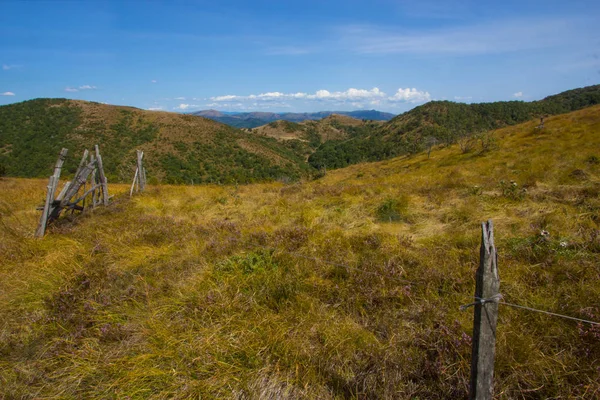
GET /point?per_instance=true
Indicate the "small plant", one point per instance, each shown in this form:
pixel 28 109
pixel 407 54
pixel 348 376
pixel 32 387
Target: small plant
pixel 466 144
pixel 475 190
pixel 487 141
pixel 512 190
pixel 593 159
pixel 393 210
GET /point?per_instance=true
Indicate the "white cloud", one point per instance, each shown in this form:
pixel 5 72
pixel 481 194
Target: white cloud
pixel 82 87
pixel 153 81
pixel 410 96
pixel 179 98
pixel 518 94
pixel 462 98
pixel 226 97
pixel 350 94
pixel 7 94
pixel 351 98
pixel 159 108
pixel 183 107
pixel 6 67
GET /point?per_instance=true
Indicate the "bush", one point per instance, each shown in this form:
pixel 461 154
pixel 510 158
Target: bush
pixel 511 190
pixel 392 210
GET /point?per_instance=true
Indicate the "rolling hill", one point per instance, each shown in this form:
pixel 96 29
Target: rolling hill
pixel 179 148
pixel 346 287
pixel 305 137
pixel 445 122
pixel 255 119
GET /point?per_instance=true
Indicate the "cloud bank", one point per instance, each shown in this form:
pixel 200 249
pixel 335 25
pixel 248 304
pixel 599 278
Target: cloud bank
pixel 355 98
pixel 7 94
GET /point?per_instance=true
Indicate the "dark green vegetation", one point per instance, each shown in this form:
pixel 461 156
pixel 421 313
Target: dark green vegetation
pixel 445 122
pixel 256 119
pixel 179 148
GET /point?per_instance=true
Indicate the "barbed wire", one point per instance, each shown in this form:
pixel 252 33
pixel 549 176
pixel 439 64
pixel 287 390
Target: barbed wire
pixel 496 299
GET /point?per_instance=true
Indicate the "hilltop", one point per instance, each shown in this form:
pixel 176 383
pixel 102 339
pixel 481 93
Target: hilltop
pixel 256 119
pixel 344 287
pixel 305 137
pixel 179 148
pixel 445 122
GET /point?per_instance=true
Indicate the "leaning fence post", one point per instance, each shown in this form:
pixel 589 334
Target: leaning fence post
pixel 52 185
pixel 135 177
pixel 485 318
pixel 140 168
pixel 102 176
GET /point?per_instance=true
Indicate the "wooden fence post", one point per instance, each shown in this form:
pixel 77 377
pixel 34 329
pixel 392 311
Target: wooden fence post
pixel 102 176
pixel 135 177
pixel 485 318
pixel 93 181
pixel 140 168
pixel 52 185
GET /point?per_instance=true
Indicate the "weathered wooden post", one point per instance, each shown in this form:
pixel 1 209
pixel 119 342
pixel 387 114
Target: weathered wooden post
pixel 102 176
pixel 71 191
pixel 82 162
pixel 485 317
pixel 135 178
pixel 52 185
pixel 93 181
pixel 140 171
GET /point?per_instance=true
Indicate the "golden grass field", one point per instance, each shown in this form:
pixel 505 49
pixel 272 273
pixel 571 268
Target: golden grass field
pixel 243 291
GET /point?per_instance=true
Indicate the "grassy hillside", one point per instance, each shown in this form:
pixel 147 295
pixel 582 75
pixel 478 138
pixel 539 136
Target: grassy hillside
pixel 257 119
pixel 305 137
pixel 445 122
pixel 178 148
pixel 302 291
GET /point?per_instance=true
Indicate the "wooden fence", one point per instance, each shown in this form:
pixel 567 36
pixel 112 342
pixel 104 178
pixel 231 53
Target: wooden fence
pixel 90 168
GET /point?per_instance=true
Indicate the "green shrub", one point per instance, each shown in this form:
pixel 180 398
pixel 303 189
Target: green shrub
pixel 512 190
pixel 393 210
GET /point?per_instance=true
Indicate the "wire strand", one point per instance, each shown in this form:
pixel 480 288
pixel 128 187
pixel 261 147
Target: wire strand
pixel 549 313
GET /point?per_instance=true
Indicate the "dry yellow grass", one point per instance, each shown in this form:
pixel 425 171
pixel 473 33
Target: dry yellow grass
pixel 222 291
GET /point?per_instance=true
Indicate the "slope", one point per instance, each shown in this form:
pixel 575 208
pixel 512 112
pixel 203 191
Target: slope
pixel 445 122
pixel 256 119
pixel 345 287
pixel 179 148
pixel 305 137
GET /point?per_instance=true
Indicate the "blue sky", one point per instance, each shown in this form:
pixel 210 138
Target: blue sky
pixel 296 56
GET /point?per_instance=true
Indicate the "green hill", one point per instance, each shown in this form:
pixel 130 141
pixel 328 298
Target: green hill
pixel 445 122
pixel 305 137
pixel 179 148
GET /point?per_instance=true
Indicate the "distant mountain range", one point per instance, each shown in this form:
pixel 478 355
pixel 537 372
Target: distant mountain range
pixel 254 119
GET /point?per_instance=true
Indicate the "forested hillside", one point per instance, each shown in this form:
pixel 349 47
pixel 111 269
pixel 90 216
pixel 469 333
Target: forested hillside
pixel 304 138
pixel 445 122
pixel 256 119
pixel 179 148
